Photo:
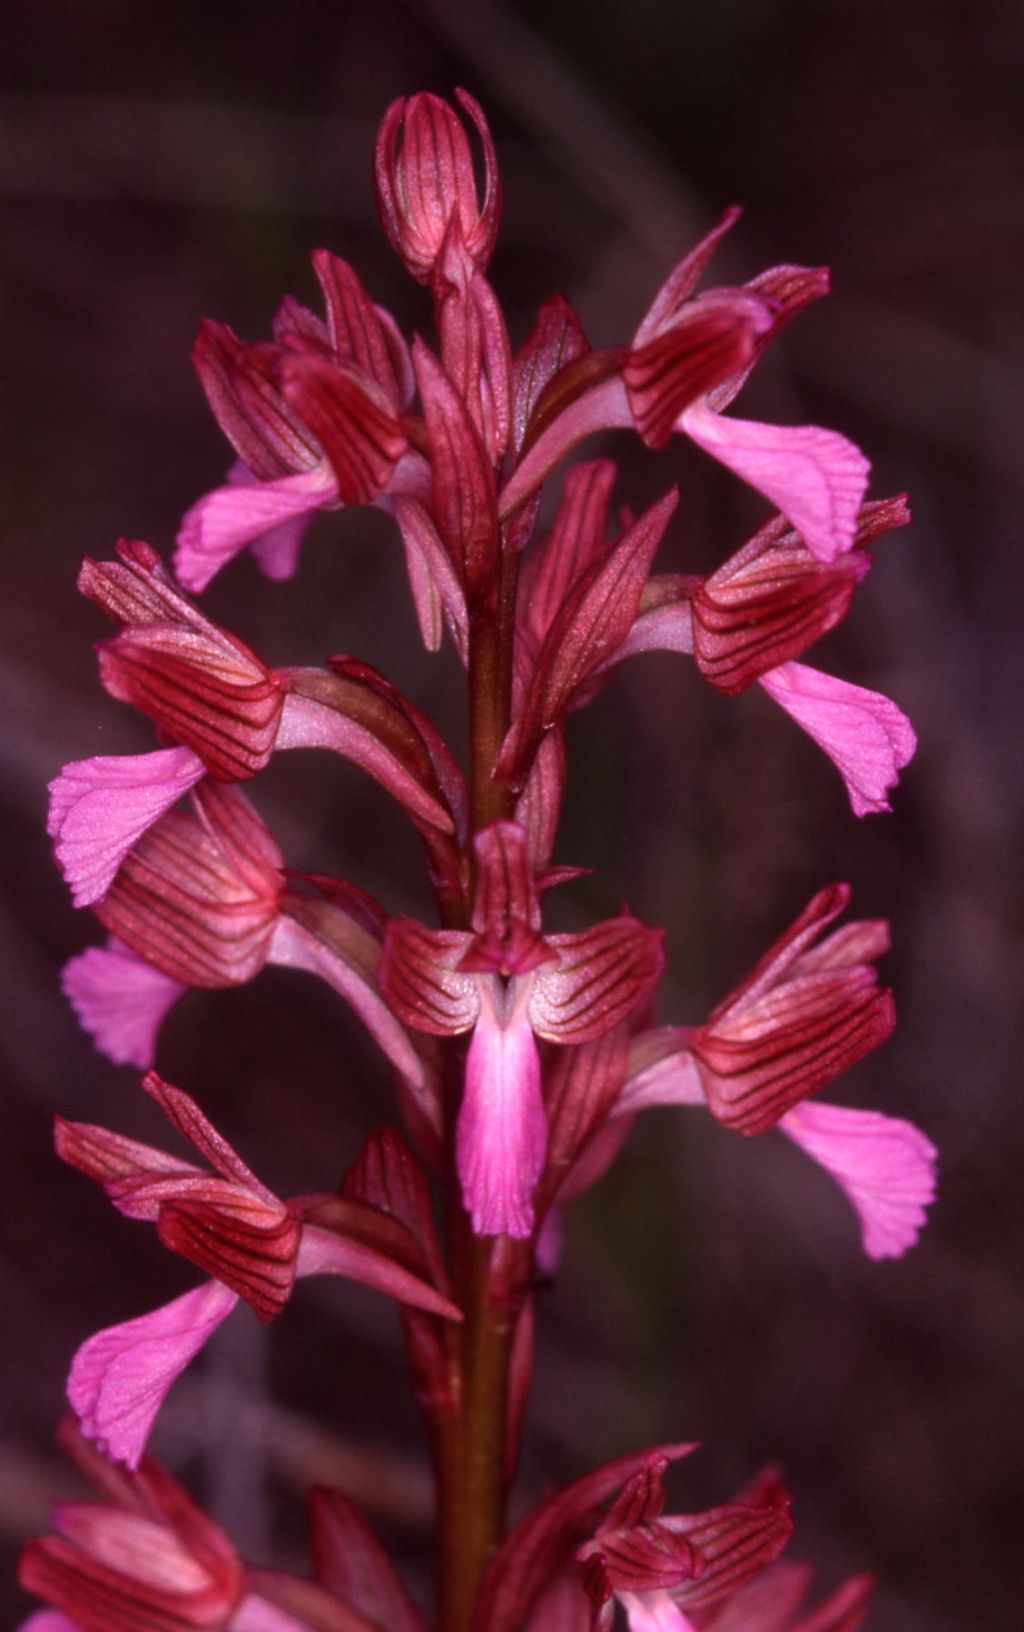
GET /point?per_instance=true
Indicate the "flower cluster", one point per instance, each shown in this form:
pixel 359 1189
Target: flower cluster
pixel 520 1056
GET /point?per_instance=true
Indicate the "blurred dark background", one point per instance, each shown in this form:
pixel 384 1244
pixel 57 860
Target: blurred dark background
pixel 159 164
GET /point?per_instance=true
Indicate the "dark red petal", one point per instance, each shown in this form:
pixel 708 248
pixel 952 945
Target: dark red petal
pixel 475 351
pixel 106 1156
pixel 576 539
pixel 683 280
pixel 712 340
pixel 505 887
pixel 583 1084
pixel 421 980
pixel 787 290
pixel 822 1027
pixel 138 589
pixel 736 1544
pixel 358 431
pixel 181 902
pixel 767 605
pixel 542 1542
pixel 556 340
pixel 205 694
pixel 464 494
pixel 601 976
pixel 239 1241
pixel 647 1559
pixel 240 381
pixel 351 1563
pixel 357 335
pixel 593 622
pixel 185 1116
pixel 774 965
pixel 423 172
pixel 387 1176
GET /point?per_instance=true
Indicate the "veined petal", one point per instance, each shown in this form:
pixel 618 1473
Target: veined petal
pixel 463 486
pixel 238 378
pixel 207 694
pixel 120 1378
pixel 432 577
pixel 576 538
pixel 502 1131
pixel 236 1237
pixel 505 885
pixel 226 520
pixel 100 807
pixel 474 344
pixel 120 1000
pixel 199 898
pixel 815 477
pixel 421 978
pixel 591 625
pixel 534 1551
pixel 775 1052
pixel 865 735
pixel 683 279
pixel 141 1558
pixel 768 603
pixel 357 333
pixel 885 1166
pixel 360 434
pixel 600 977
pixel 556 340
pixel 709 341
pixel 423 173
pixel 736 1542
pixel 185 1116
pixel 540 803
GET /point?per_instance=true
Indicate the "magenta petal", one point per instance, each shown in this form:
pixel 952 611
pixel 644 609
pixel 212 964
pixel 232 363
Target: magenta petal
pixel 48 1620
pixel 255 1614
pixel 815 477
pixel 865 735
pixel 120 1377
pixel 502 1131
pixel 653 1612
pixel 100 807
pixel 277 552
pixel 224 521
pixel 886 1167
pixel 120 1000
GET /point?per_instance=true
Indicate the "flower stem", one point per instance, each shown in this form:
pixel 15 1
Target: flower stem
pixel 487 1282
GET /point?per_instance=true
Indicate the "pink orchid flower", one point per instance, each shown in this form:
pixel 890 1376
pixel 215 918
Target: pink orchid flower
pixel 228 1223
pixel 510 985
pixel 804 1015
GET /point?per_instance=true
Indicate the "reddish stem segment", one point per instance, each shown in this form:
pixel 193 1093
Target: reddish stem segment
pixel 471 1444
